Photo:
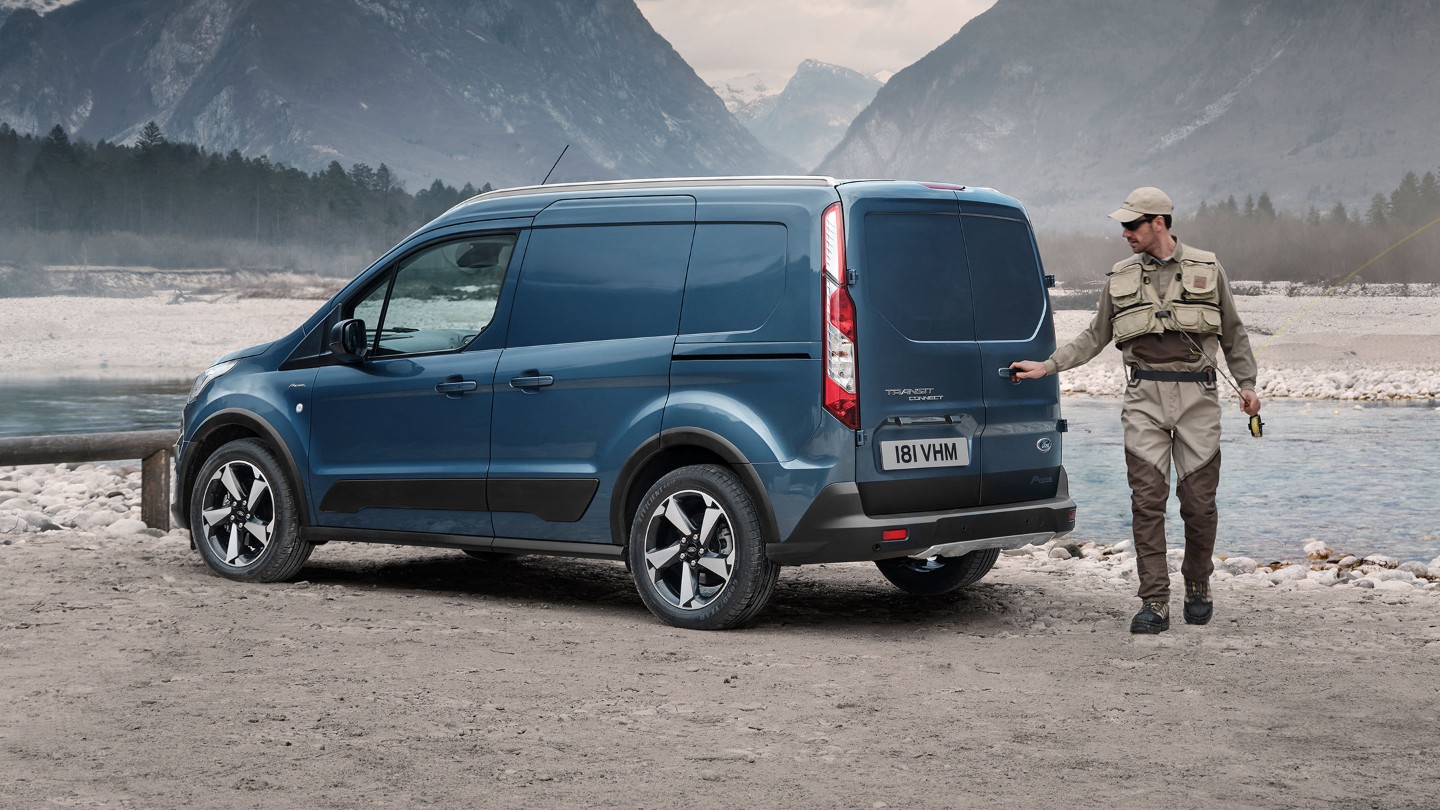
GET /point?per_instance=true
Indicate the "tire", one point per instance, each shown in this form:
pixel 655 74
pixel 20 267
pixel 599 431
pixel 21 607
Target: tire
pixel 243 515
pixel 696 552
pixel 938 575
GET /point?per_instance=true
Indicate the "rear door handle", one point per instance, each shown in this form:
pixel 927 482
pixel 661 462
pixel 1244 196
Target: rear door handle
pixel 538 381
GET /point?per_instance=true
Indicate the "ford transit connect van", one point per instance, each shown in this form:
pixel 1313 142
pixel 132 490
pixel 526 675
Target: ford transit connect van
pixel 707 379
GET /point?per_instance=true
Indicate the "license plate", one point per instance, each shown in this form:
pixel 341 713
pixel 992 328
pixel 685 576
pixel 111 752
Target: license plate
pixel 921 453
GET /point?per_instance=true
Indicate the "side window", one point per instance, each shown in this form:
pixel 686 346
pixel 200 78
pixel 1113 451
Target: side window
pixel 1009 289
pixel 438 299
pixel 600 282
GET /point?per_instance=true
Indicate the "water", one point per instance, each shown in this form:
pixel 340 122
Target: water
pixel 42 408
pixel 1366 480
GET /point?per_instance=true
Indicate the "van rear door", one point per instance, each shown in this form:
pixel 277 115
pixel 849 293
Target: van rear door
pixel 948 289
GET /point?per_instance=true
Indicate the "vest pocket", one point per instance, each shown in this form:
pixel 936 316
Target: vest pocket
pixel 1196 318
pixel 1125 288
pixel 1199 280
pixel 1134 322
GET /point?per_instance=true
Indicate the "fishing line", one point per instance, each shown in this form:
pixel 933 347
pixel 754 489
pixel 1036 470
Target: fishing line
pixel 1342 282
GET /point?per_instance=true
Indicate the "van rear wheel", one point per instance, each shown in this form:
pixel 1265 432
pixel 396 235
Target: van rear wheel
pixel 696 551
pixel 938 575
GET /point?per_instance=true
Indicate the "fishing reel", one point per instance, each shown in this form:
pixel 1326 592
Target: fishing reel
pixel 1257 427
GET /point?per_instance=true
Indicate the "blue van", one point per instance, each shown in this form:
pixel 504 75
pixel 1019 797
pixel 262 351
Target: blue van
pixel 707 379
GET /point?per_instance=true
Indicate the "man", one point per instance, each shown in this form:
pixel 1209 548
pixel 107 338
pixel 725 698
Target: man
pixel 1168 308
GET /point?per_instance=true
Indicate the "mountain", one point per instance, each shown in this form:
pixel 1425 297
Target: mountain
pixel 1069 104
pixel 811 115
pixel 463 90
pixel 748 95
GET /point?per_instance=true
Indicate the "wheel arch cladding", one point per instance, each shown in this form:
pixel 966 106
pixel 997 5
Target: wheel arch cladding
pixel 225 427
pixel 671 450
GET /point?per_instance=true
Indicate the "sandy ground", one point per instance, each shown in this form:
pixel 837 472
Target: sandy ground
pixel 130 676
pixel 413 677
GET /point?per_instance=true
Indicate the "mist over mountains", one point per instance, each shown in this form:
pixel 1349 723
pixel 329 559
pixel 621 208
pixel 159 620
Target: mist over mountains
pixel 1066 104
pixel 1069 104
pixel 455 89
pixel 812 113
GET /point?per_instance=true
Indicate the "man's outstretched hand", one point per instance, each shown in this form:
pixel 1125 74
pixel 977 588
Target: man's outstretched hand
pixel 1028 369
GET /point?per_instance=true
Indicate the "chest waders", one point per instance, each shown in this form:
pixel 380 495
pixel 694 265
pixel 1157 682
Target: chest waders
pixel 1170 412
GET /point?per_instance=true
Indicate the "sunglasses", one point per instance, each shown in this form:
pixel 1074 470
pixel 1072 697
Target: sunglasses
pixel 1135 223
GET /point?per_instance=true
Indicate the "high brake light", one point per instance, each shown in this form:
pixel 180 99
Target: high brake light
pixel 840 397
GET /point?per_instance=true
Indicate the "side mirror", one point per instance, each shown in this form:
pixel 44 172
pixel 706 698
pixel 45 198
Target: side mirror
pixel 347 341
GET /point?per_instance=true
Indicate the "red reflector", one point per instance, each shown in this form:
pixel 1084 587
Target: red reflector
pixel 1070 516
pixel 895 534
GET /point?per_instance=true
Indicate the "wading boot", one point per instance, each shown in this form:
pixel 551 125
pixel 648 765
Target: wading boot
pixel 1153 617
pixel 1198 606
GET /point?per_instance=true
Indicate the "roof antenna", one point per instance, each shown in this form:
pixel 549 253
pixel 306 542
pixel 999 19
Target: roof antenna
pixel 557 163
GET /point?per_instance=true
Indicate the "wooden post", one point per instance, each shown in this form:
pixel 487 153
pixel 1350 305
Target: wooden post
pixel 155 490
pixel 153 447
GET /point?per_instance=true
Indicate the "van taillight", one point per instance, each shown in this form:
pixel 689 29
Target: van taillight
pixel 839 310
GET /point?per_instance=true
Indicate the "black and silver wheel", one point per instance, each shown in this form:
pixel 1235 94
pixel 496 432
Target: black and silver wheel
pixel 696 551
pixel 936 575
pixel 243 515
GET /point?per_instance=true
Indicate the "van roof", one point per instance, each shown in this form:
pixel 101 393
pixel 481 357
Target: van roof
pixel 523 201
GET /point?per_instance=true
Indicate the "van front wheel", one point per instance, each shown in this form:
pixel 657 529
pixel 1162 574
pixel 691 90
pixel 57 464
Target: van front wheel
pixel 243 516
pixel 936 575
pixel 696 551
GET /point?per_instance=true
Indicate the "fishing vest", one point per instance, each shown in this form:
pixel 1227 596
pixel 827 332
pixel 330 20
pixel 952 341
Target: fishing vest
pixel 1191 302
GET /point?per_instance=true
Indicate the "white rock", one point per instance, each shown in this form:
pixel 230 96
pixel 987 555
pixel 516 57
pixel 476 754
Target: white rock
pixel 1419 569
pixel 126 526
pixel 1290 574
pixel 90 521
pixel 1364 583
pixel 1382 560
pixel 1240 565
pixel 1317 548
pixel 1349 560
pixel 1395 585
pixel 17 504
pixel 1388 575
pixel 1326 577
pixel 1059 553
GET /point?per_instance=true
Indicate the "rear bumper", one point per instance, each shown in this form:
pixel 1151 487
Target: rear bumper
pixel 836 529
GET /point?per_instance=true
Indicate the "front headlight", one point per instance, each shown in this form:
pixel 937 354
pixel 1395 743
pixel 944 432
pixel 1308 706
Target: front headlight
pixel 206 376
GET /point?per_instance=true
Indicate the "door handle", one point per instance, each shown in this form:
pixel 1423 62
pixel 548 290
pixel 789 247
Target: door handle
pixel 454 388
pixel 537 381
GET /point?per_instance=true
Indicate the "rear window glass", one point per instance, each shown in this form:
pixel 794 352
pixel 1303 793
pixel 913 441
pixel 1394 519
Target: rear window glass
pixel 918 277
pixel 736 278
pixel 954 277
pixel 1005 278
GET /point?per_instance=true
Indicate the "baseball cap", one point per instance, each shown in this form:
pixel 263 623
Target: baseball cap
pixel 1142 201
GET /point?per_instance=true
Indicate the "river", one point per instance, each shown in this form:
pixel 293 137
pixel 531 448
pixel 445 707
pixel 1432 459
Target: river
pixel 1360 477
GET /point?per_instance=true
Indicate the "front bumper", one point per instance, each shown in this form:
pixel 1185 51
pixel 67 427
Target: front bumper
pixel 836 529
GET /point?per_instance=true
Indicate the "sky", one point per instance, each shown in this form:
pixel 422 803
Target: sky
pixel 732 38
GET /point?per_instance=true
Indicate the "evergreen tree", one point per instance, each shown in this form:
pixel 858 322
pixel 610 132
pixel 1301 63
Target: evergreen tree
pixel 1377 216
pixel 1264 209
pixel 1249 206
pixel 1406 204
pixel 1338 215
pixel 1429 196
